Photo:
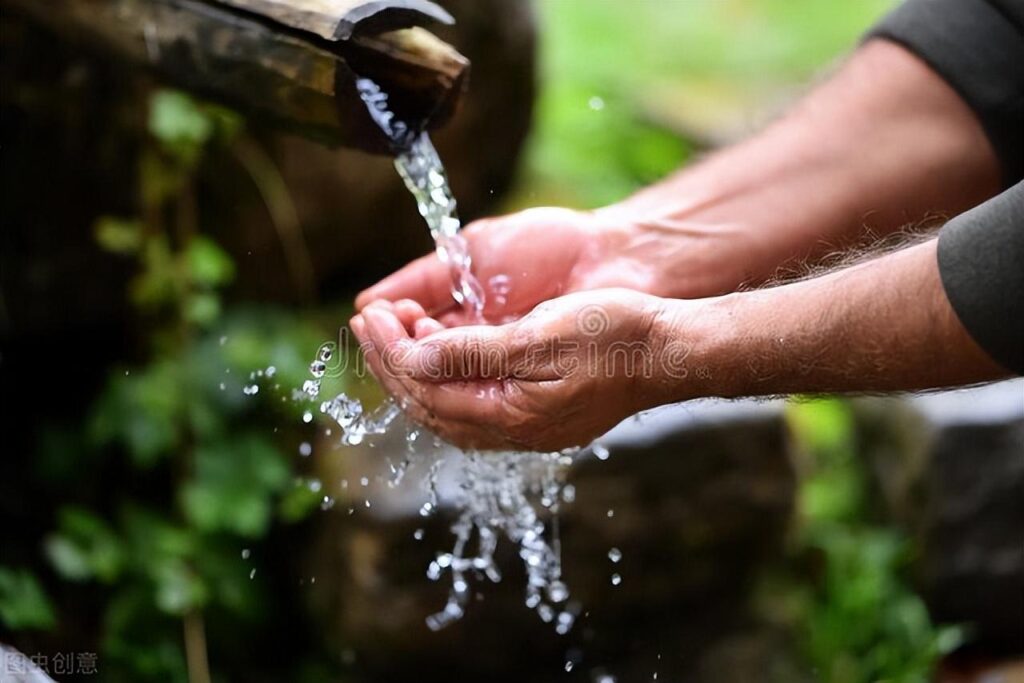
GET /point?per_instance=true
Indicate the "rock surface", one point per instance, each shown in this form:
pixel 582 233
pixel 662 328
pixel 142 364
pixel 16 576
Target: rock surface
pixel 696 506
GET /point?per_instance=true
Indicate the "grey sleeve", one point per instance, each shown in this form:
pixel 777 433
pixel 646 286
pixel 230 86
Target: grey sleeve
pixel 981 263
pixel 977 46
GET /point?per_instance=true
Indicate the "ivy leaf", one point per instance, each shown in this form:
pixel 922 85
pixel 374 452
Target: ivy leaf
pixel 23 604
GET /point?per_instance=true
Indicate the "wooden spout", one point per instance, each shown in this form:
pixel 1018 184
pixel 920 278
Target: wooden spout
pixel 292 64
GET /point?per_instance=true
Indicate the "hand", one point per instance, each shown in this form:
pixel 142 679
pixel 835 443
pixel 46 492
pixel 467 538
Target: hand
pixel 521 260
pixel 558 377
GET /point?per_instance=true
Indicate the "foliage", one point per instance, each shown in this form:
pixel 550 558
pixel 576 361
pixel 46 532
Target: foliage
pixel 207 477
pixel 858 618
pixel 23 604
pixel 641 58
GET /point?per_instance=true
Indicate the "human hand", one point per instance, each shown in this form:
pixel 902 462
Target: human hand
pixel 558 377
pixel 521 260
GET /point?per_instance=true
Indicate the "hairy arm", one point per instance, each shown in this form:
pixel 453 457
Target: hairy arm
pixel 578 364
pixel 885 325
pixel 883 143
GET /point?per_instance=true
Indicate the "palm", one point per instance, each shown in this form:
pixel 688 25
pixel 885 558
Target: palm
pixel 520 260
pixel 529 257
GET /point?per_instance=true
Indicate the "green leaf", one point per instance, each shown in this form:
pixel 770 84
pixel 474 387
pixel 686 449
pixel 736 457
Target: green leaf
pixel 180 125
pixel 202 309
pixel 179 589
pixel 158 283
pixel 119 235
pixel 298 501
pixel 23 604
pixel 84 547
pixel 142 412
pixel 233 485
pixel 208 264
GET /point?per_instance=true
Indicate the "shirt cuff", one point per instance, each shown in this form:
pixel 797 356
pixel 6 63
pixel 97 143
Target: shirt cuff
pixel 981 263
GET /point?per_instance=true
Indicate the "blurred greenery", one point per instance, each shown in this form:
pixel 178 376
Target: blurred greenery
pixel 23 604
pixel 654 65
pixel 857 616
pixel 206 481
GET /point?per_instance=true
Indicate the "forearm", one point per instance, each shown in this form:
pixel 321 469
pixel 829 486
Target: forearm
pixel 885 325
pixel 884 143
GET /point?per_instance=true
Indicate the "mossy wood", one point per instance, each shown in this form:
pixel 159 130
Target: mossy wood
pixel 293 64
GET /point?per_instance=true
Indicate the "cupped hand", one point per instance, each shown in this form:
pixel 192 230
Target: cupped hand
pixel 559 377
pixel 520 260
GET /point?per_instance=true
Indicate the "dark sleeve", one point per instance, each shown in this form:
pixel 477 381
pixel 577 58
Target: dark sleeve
pixel 981 262
pixel 977 46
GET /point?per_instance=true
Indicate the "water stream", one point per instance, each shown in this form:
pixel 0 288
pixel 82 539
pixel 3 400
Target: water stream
pixel 508 495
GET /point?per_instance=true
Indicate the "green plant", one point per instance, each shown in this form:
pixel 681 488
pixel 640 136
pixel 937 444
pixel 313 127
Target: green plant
pixel 206 478
pixel 23 604
pixel 858 618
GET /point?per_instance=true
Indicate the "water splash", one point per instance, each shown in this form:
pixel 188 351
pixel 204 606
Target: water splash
pixel 498 495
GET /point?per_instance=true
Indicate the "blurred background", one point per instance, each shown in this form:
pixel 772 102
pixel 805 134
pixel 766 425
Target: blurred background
pixel 161 522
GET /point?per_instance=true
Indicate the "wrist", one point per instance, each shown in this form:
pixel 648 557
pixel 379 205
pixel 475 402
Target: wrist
pixel 697 350
pixel 673 251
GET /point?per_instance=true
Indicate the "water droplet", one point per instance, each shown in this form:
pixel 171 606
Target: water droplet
pixel 611 513
pixel 252 574
pixel 246 553
pixel 364 481
pixel 569 493
pixel 614 555
pixel 600 452
pixel 616 579
pixel 251 389
pixel 307 417
pixel 305 449
pixel 418 534
pixel 558 591
pixel 595 103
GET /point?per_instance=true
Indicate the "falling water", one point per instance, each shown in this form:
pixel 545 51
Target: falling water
pixel 498 494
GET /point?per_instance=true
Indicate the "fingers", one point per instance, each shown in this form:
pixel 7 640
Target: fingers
pixel 474 353
pixel 425 327
pixel 448 413
pixel 426 281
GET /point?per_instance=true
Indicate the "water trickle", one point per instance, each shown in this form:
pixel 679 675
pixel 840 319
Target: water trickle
pixel 497 495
